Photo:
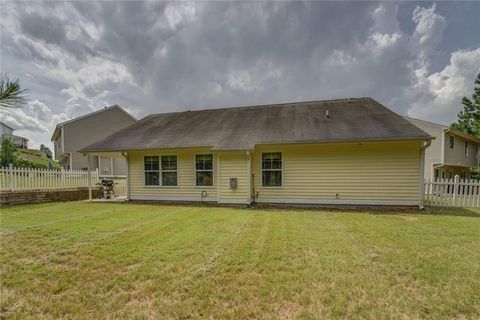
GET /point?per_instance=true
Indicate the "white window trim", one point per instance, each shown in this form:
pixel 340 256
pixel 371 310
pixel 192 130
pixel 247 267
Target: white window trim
pixel 160 182
pixel 261 171
pixel 195 170
pixel 162 171
pixel 449 138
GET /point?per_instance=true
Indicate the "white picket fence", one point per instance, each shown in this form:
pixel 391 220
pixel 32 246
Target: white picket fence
pixel 452 192
pixel 14 179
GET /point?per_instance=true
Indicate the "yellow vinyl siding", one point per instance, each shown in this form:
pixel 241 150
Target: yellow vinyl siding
pixel 360 173
pixel 234 165
pixel 367 171
pixel 186 189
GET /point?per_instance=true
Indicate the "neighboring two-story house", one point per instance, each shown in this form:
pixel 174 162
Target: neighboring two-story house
pixel 7 132
pixel 451 153
pixel 72 135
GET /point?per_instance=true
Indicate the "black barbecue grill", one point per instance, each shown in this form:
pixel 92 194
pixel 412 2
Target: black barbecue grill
pixel 107 188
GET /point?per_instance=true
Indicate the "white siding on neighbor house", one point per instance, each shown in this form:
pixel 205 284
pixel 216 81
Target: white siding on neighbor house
pixel 105 165
pixel 363 173
pixel 4 129
pixel 433 154
pixel 87 130
pixel 234 165
pixel 456 155
pixel 186 189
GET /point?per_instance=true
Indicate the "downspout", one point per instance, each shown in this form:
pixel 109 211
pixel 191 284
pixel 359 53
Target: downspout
pixel 249 177
pixel 70 160
pixel 422 175
pixel 219 193
pixel 63 140
pixel 89 178
pixel 442 147
pixel 125 154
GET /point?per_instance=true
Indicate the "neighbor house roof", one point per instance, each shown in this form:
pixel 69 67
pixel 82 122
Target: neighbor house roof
pixel 3 124
pixel 462 135
pixel 241 128
pixel 448 130
pixel 15 136
pixel 56 132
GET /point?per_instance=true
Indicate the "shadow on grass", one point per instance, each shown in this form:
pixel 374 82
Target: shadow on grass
pixel 459 212
pixel 378 210
pixel 375 210
pixel 433 211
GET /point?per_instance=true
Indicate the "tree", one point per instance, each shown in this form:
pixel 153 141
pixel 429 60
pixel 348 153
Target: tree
pixel 11 93
pixel 47 151
pixel 469 118
pixel 7 153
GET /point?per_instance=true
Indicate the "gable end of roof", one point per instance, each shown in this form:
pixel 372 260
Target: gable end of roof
pixel 61 124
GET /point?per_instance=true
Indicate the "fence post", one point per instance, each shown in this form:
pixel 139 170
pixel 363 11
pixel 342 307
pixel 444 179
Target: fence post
pixel 455 189
pixel 63 177
pixel 10 176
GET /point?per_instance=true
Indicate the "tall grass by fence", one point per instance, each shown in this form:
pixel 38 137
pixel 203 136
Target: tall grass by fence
pixel 13 179
pixel 452 192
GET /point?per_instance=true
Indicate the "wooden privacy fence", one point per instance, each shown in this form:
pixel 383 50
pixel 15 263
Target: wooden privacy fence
pixel 15 179
pixel 452 192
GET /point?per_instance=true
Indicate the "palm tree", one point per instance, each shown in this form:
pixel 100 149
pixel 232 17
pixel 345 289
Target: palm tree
pixel 11 93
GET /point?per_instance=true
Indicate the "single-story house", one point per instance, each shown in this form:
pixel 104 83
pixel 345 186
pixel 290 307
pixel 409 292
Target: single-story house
pixel 347 151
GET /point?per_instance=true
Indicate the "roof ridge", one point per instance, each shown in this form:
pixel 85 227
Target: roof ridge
pixel 426 121
pixel 262 105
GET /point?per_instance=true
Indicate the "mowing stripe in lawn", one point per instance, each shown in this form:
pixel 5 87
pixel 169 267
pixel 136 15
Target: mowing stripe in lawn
pixel 179 262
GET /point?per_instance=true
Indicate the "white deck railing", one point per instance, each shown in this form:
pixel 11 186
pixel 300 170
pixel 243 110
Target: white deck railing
pixel 15 179
pixel 120 184
pixel 452 192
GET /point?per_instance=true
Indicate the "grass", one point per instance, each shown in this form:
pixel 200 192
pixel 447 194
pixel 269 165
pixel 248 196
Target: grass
pixel 97 260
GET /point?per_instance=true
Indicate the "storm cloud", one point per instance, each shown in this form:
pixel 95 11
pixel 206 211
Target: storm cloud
pixel 153 57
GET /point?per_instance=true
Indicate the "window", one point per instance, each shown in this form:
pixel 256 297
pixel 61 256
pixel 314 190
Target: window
pixel 152 170
pixel 465 150
pixel 452 142
pixel 272 169
pixel 204 169
pixel 169 170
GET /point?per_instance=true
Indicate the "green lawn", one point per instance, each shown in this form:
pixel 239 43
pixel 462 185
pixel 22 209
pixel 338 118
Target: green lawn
pixel 97 260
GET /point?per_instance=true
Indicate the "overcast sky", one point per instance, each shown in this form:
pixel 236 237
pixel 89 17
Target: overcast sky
pixel 418 59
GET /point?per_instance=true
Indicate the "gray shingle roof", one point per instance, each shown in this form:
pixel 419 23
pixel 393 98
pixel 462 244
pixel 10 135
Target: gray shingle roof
pixel 360 119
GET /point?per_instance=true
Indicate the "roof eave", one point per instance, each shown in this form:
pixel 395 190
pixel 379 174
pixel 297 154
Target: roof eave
pixel 462 134
pixel 265 143
pixel 56 132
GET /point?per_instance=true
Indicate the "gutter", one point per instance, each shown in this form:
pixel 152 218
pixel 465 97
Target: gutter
pixel 265 144
pixel 422 175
